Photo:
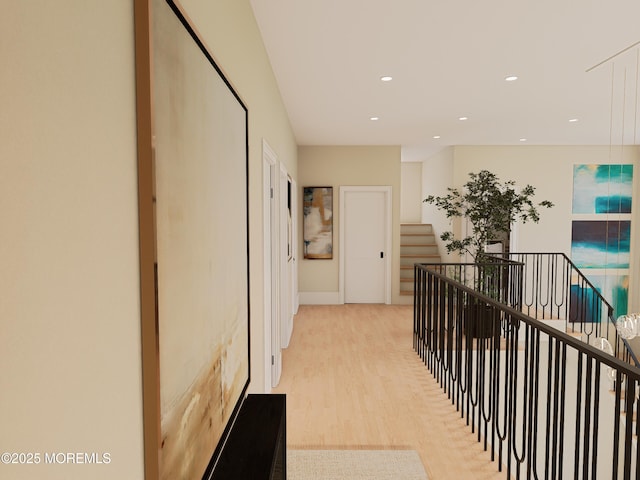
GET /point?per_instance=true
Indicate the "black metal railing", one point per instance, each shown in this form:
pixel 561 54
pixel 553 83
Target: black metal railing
pixel 497 277
pixel 554 288
pixel 546 404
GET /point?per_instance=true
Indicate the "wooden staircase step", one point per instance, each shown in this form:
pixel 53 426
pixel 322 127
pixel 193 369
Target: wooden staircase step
pixel 419 250
pixel 416 228
pixel 417 245
pixel 415 238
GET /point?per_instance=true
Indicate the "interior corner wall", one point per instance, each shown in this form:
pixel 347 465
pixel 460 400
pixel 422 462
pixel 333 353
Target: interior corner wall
pixel 230 32
pixel 336 166
pixel 411 192
pixel 69 276
pixel 437 175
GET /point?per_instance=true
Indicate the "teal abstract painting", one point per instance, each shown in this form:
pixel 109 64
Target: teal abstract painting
pixel 586 307
pixel 614 289
pixel 600 244
pixel 602 188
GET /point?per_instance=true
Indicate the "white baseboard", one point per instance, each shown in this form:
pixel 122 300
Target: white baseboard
pixel 319 298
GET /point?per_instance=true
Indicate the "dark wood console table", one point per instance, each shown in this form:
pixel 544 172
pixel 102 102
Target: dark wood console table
pixel 256 447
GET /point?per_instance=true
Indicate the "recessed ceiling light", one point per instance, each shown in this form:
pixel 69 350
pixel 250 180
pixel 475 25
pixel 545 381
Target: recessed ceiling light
pixel 511 78
pixel 523 139
pixel 573 120
pixel 386 78
pixel 375 118
pixel 436 136
pixel 463 118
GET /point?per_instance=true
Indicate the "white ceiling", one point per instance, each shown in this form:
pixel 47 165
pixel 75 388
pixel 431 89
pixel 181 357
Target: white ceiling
pixel 448 59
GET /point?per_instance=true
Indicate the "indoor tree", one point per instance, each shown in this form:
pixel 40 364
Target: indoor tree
pixel 490 206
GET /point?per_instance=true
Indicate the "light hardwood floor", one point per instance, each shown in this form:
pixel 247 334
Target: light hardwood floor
pixel 353 381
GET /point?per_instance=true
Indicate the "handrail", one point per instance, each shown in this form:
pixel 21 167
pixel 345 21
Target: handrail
pixel 555 288
pixel 498 382
pixel 573 268
pixel 499 278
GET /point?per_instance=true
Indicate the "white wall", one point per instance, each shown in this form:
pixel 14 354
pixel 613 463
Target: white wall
pixel 69 282
pixel 411 192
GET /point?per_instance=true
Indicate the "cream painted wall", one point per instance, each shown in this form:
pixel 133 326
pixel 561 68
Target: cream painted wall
pixel 411 192
pixel 69 280
pixel 550 170
pixel 354 165
pixel 437 175
pixel 231 33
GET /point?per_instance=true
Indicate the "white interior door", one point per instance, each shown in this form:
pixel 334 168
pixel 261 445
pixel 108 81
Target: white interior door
pixel 365 239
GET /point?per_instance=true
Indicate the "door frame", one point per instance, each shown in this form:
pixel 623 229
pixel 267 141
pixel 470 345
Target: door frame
pixel 285 260
pixel 295 299
pixel 388 191
pixel 272 354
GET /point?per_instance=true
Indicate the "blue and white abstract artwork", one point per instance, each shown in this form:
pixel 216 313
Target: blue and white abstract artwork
pixel 614 289
pixel 585 307
pixel 602 188
pixel 600 244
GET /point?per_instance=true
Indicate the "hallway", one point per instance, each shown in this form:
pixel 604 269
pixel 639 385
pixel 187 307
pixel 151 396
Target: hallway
pixel 353 381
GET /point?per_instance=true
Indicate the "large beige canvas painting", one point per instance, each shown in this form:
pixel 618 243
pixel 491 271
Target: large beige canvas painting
pixel 201 223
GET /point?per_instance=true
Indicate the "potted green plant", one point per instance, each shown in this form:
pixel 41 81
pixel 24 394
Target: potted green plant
pixel 491 207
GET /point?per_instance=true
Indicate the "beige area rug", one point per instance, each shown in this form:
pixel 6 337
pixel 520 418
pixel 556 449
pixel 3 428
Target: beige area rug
pixel 354 465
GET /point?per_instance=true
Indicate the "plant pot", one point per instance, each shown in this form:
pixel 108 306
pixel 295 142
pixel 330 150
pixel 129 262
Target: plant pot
pixel 481 321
